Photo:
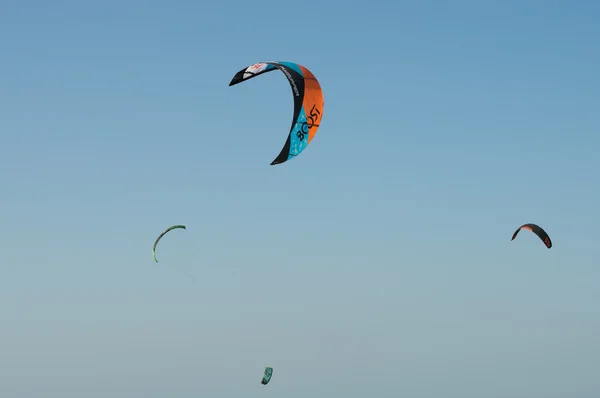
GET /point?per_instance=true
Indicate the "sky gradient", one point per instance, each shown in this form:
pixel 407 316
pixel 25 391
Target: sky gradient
pixel 378 263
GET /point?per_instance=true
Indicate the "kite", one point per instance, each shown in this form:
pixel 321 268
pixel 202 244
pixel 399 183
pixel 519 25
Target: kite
pixel 163 234
pixel 308 103
pixel 267 376
pixel 539 231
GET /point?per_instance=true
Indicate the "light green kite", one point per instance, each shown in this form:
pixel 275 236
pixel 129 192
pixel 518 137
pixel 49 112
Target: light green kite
pixel 163 234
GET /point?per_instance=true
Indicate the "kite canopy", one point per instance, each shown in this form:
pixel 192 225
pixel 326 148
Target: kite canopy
pixel 536 229
pixel 267 376
pixel 308 103
pixel 163 234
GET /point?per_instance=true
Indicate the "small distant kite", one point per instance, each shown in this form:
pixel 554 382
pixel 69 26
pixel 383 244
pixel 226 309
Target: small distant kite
pixel 308 103
pixel 163 234
pixel 539 231
pixel 267 376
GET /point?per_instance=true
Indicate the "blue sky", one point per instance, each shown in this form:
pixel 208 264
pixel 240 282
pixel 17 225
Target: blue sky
pixel 376 264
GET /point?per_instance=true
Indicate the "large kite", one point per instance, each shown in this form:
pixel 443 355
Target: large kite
pixel 308 103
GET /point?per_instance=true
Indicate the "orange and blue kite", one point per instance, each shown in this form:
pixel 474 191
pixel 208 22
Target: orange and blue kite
pixel 308 103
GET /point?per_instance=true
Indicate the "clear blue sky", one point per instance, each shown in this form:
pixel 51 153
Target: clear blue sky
pixel 378 263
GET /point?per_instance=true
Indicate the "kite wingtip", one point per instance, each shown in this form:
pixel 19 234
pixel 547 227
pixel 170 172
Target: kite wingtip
pixel 277 161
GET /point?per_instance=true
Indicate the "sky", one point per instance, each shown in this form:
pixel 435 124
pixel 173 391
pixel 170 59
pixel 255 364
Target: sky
pixel 378 263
